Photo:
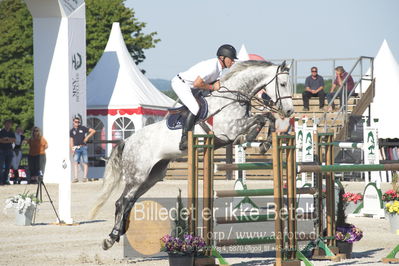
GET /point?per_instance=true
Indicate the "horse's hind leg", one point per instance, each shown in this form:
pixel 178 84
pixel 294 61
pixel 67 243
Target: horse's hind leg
pixel 115 235
pixel 127 200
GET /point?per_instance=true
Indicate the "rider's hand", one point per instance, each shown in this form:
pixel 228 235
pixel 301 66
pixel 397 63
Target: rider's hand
pixel 216 86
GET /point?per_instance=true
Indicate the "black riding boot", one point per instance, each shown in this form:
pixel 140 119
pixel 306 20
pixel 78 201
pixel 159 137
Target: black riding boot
pixel 187 127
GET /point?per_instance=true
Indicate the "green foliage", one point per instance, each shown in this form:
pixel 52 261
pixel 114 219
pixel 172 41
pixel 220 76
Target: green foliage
pixel 16 53
pixel 16 63
pixel 100 14
pixel 171 94
pixel 300 87
pixel 180 218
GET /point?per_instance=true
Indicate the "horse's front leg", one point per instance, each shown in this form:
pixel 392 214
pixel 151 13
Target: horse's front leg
pixel 265 146
pixel 250 127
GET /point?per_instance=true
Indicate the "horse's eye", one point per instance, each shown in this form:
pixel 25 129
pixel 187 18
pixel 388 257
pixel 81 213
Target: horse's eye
pixel 283 84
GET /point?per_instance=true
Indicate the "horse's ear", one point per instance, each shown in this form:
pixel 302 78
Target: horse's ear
pixel 284 66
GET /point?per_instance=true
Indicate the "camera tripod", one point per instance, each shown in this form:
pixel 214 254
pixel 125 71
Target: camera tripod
pixel 39 196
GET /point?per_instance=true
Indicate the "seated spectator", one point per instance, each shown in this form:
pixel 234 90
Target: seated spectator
pixel 314 87
pixel 282 125
pixel 340 75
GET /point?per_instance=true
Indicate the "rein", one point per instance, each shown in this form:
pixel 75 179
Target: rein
pixel 243 99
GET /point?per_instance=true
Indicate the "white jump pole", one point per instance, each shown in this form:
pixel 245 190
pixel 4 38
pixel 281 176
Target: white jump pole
pixel 59 50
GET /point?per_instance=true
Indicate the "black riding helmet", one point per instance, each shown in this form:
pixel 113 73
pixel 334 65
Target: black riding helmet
pixel 227 50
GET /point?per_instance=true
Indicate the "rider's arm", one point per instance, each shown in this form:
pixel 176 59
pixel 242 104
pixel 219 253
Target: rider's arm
pixel 199 83
pixel 91 133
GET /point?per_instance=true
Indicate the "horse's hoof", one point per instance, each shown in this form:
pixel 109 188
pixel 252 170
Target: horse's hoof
pixel 240 140
pixel 264 147
pixel 107 243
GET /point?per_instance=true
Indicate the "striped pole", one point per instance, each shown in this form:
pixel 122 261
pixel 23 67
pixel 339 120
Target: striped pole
pixel 243 166
pixel 345 145
pixel 258 192
pixel 348 145
pixel 348 168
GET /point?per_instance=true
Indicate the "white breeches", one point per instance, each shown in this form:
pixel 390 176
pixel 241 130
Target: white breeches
pixel 183 91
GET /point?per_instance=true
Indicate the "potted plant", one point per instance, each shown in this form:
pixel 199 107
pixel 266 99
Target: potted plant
pixel 345 233
pixel 25 205
pixel 392 214
pixel 182 250
pixel 345 236
pixel 181 247
pixel 351 201
pixel 390 196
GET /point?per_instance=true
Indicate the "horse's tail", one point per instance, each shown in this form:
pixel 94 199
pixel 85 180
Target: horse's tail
pixel 112 177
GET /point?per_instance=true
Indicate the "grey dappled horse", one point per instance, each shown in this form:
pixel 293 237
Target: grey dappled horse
pixel 142 159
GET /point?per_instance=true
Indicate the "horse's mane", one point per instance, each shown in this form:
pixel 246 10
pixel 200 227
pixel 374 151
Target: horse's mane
pixel 242 65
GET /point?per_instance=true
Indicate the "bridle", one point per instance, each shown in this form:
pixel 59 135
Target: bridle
pixel 243 99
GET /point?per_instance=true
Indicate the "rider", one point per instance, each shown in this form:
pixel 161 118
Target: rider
pixel 204 75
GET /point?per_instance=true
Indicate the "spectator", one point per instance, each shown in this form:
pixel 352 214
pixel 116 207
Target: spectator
pixel 79 135
pixel 282 125
pixel 37 154
pixel 340 75
pixel 7 138
pixel 17 154
pixel 314 87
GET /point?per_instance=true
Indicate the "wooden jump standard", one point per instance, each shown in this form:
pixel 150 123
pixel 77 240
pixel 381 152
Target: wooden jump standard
pixel 278 149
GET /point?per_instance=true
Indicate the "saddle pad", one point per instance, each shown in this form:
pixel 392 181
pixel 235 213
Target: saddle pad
pixel 177 116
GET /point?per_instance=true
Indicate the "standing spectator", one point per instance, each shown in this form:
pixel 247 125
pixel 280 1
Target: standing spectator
pixel 7 138
pixel 37 154
pixel 17 154
pixel 340 75
pixel 79 135
pixel 314 87
pixel 282 125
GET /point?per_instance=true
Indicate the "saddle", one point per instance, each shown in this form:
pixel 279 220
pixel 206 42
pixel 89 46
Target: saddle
pixel 177 116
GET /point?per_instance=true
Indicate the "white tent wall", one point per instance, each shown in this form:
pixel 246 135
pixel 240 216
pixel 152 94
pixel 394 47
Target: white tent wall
pixel 386 74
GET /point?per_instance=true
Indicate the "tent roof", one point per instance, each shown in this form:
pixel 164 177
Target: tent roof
pixel 243 55
pixel 117 82
pixel 386 72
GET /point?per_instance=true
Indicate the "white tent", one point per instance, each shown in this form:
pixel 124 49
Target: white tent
pixel 120 99
pixel 386 73
pixel 243 54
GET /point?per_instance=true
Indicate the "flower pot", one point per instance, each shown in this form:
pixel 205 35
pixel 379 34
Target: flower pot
pixel 181 260
pixel 25 216
pixel 345 248
pixel 393 222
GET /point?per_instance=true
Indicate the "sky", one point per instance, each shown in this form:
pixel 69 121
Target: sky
pixel 191 31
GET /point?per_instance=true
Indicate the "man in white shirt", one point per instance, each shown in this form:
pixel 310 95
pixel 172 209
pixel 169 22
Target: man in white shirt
pixel 204 75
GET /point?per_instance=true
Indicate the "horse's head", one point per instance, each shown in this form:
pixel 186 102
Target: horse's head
pixel 249 77
pixel 279 89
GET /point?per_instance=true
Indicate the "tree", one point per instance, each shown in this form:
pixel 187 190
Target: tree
pixel 16 63
pixel 100 14
pixel 16 53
